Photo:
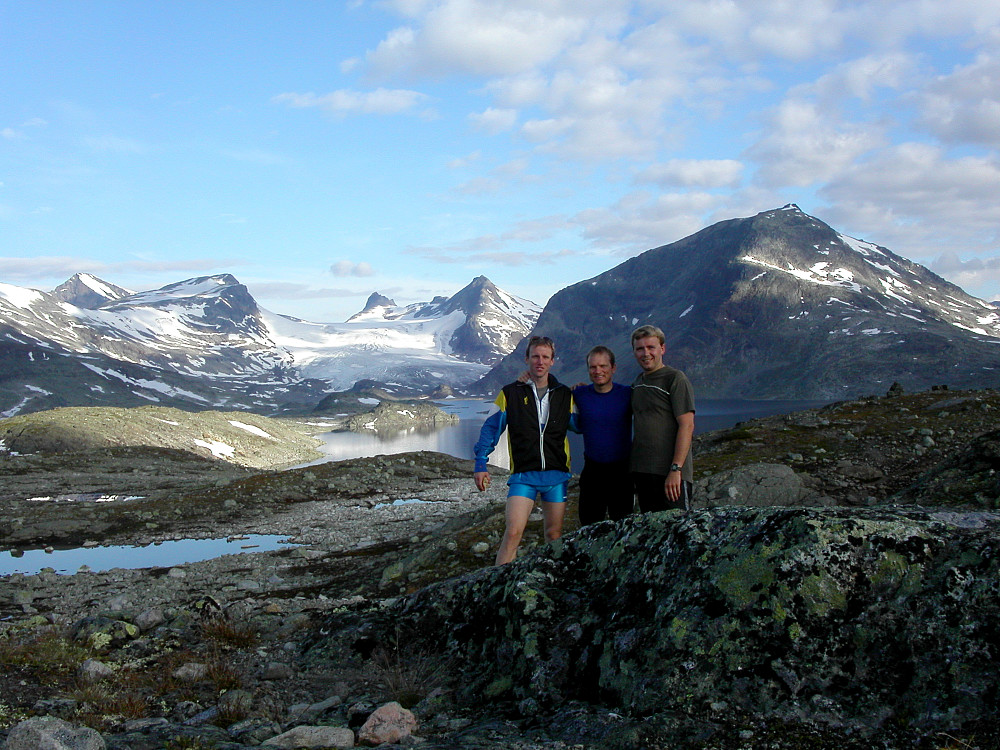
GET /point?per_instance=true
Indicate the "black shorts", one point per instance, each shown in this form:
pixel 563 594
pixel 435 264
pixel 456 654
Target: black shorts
pixel 649 490
pixel 605 491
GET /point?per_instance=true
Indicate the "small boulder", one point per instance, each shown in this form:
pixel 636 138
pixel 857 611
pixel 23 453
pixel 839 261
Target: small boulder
pixel 388 724
pixel 93 670
pixel 307 736
pixel 51 733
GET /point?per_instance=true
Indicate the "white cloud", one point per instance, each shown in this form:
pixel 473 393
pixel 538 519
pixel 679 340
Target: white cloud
pixel 803 145
pixel 287 290
pixel 479 186
pixel 919 202
pixel 978 276
pixel 704 173
pixel 493 120
pixel 639 221
pixel 862 77
pixel 344 101
pixel 964 106
pixel 465 161
pixel 256 156
pixel 917 180
pixel 481 36
pixel 55 269
pixel 350 268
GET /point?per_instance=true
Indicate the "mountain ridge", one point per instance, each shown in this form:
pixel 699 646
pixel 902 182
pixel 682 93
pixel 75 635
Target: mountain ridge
pixel 775 306
pixel 206 343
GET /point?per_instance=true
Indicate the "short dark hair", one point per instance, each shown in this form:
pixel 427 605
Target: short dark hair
pixel 644 332
pixel 601 349
pixel 540 341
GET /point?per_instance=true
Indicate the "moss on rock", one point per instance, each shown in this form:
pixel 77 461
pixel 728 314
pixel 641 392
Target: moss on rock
pixel 853 619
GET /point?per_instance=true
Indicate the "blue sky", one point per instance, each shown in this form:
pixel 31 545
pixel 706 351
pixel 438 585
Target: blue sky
pixel 320 151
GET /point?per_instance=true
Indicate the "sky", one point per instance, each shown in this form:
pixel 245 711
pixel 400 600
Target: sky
pixel 320 151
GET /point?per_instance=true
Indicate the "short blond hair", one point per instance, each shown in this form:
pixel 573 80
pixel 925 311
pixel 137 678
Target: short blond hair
pixel 644 332
pixel 540 341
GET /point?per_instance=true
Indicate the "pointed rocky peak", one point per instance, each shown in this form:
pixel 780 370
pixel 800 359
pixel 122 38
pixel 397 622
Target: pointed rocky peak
pixel 88 291
pixel 482 296
pixel 378 300
pixel 377 306
pixel 475 297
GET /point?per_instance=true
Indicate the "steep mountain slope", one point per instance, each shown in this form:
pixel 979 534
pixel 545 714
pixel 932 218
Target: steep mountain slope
pixel 778 305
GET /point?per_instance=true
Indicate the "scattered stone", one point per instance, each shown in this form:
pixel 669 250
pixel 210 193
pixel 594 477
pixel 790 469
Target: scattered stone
pixel 50 733
pixel 253 731
pixel 104 633
pixel 190 672
pixel 388 724
pixel 276 670
pixel 93 670
pixel 235 703
pixel 340 505
pixel 313 736
pixel 149 619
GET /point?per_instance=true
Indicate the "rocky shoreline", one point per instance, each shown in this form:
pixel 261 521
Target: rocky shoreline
pixel 214 653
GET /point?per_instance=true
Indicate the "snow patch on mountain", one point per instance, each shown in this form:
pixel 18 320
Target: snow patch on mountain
pixel 817 274
pixel 402 350
pixel 891 284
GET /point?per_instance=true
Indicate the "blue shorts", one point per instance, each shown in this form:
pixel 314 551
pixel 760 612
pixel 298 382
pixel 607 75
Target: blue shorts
pixel 550 493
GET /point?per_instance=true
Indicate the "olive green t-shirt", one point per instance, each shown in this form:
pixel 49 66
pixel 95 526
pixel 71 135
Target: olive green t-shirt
pixel 658 398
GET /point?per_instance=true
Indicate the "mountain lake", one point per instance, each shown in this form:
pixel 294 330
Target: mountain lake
pixel 456 440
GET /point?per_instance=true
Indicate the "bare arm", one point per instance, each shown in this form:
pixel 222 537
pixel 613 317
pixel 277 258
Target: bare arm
pixel 685 434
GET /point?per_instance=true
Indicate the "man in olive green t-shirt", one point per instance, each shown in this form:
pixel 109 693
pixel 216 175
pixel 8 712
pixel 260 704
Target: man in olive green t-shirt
pixel 663 427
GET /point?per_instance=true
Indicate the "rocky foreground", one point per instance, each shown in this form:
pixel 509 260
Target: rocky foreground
pixel 837 586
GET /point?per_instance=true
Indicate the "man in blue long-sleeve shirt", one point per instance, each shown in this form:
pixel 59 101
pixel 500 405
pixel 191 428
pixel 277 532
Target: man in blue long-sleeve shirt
pixel 605 419
pixel 536 415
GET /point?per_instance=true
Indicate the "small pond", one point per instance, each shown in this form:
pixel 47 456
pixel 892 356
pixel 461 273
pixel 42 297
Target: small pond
pixel 162 555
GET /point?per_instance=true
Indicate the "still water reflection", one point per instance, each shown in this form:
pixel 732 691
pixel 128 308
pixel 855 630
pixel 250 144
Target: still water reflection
pixel 161 555
pixel 457 440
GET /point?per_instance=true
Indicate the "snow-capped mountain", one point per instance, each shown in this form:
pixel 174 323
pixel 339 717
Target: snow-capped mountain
pixel 778 305
pixel 450 340
pixel 205 343
pixel 86 290
pixel 483 322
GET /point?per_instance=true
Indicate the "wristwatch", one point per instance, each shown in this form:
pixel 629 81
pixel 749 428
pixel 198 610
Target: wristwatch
pixel 674 467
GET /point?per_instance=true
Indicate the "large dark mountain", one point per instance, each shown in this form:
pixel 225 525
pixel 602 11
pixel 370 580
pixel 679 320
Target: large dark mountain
pixel 778 305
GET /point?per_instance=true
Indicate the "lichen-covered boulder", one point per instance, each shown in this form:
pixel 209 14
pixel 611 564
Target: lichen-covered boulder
pixel 856 619
pixel 761 484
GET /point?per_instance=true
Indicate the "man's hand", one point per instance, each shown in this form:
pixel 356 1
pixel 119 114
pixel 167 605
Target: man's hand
pixel 672 486
pixel 482 479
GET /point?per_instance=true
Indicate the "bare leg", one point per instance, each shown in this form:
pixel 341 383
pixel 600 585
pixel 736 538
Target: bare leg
pixel 516 516
pixel 552 519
